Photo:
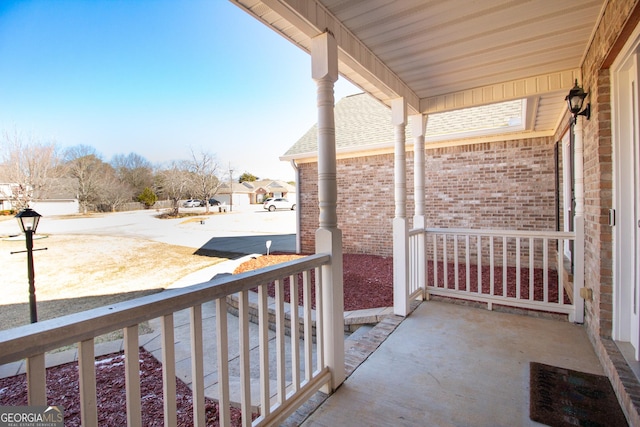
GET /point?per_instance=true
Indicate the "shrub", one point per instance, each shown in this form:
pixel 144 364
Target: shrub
pixel 148 198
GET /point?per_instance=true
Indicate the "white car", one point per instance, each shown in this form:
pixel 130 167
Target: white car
pixel 278 203
pixel 191 203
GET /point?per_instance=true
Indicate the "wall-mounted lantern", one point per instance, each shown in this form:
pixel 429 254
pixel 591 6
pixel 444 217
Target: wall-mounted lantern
pixel 575 102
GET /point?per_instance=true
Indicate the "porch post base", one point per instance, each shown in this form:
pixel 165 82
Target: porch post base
pixel 419 223
pixel 400 266
pixel 330 241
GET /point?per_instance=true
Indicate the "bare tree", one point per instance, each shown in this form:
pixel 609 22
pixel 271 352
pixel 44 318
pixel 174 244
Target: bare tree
pixel 113 192
pixel 83 163
pixel 173 182
pixel 204 169
pixel 135 171
pixel 29 167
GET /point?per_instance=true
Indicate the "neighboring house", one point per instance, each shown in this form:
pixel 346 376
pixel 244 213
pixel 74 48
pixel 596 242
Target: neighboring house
pixel 61 201
pixel 255 192
pixel 57 203
pixel 5 197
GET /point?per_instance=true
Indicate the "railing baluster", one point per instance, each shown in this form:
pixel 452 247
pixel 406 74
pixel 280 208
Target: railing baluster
pixel 308 325
pixel 426 264
pixel 132 376
pixel 169 371
pixel 545 269
pixel 222 344
pixel 36 381
pixel 491 268
pixel 456 262
pixel 518 279
pixel 87 379
pixel 295 334
pixel 467 264
pixel 505 264
pixel 418 266
pixel 244 350
pixel 435 260
pixel 411 256
pixel 319 321
pixel 479 266
pixel 532 249
pixel 263 338
pixel 280 355
pixel 197 366
pixel 445 261
pixel 559 269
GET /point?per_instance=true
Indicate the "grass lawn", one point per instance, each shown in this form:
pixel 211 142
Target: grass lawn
pixel 77 273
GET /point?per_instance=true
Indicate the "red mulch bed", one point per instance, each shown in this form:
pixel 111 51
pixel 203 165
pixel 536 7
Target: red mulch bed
pixel 368 279
pixel 63 389
pixel 538 277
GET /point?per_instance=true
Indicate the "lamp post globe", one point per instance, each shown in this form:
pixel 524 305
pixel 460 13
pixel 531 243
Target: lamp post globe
pixel 28 219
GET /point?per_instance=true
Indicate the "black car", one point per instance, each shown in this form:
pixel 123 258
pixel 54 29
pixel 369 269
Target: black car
pixel 214 202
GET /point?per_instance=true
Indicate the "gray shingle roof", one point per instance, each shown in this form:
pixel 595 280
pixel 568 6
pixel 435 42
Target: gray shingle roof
pixel 360 121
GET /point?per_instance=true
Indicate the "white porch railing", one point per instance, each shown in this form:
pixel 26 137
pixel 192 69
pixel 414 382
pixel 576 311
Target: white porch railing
pixel 509 268
pixel 32 341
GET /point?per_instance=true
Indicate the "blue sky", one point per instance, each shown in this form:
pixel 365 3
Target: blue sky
pixel 156 77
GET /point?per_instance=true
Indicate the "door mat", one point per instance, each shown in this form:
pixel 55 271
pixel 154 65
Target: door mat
pixel 562 397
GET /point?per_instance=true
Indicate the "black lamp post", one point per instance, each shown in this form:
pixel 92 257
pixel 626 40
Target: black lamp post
pixel 28 220
pixel 575 101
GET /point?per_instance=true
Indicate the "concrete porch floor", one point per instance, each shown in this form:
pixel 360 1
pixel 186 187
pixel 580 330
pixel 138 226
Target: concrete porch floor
pixel 451 365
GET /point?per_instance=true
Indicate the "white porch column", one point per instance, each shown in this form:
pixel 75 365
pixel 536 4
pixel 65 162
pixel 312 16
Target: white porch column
pixel 578 224
pixel 324 70
pixel 418 130
pixel 400 225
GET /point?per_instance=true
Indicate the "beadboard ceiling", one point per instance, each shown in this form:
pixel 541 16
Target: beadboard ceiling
pixel 444 55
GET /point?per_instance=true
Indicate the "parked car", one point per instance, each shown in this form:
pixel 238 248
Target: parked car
pixel 192 203
pixel 278 203
pixel 214 202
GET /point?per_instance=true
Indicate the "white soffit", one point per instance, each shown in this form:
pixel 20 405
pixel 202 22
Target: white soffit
pixel 443 55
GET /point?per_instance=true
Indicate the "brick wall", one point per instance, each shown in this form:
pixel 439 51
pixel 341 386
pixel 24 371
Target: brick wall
pixel 365 203
pixel 499 185
pixel 598 167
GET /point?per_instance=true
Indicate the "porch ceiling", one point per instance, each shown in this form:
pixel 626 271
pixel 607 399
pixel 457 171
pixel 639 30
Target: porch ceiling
pixel 444 55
